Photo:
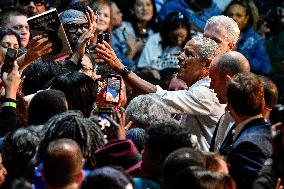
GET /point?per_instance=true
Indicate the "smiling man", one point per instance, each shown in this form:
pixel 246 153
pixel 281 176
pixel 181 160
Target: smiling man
pixel 198 103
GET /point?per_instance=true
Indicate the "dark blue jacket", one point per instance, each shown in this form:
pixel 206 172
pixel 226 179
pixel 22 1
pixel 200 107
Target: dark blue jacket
pixel 198 20
pixel 249 151
pixel 252 46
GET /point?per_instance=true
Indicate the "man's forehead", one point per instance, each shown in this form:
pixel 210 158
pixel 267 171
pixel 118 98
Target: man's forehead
pixel 215 32
pixel 15 20
pixel 191 45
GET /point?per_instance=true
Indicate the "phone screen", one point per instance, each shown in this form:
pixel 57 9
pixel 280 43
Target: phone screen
pixel 113 89
pixel 11 56
pixel 106 126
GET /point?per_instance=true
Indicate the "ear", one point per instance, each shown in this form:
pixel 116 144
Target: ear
pixel 263 104
pixel 232 46
pixel 80 177
pixel 228 78
pixel 208 62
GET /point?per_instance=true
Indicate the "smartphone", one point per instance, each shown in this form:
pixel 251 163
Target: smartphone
pixel 113 89
pixel 103 37
pixel 106 126
pixel 11 56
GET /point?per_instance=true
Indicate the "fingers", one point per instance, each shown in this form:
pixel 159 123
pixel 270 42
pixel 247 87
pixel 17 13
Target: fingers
pixel 128 126
pixel 15 66
pixel 92 14
pixel 4 76
pixel 107 45
pixel 278 184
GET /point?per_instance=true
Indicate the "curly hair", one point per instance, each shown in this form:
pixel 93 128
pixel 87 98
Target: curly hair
pixel 73 125
pixel 18 151
pixel 145 109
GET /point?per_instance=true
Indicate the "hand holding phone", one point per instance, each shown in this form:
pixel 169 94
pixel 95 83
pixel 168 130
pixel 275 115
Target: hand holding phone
pixel 103 37
pixel 11 56
pixel 106 126
pixel 113 89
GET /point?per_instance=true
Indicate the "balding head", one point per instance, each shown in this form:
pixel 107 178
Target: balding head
pixel 62 163
pixel 222 68
pixel 231 63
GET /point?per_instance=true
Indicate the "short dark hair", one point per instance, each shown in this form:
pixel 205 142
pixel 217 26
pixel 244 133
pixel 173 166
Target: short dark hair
pixel 178 160
pixel 107 178
pixel 198 178
pixel 18 151
pixel 79 89
pixel 12 11
pixel 270 92
pixel 62 162
pixel 38 74
pixel 245 94
pixel 165 136
pixel 73 125
pixel 46 104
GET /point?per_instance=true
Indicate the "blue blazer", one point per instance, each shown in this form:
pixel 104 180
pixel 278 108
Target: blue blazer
pixel 249 151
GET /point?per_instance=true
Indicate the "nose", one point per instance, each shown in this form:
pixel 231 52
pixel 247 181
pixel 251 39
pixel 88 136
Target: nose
pixel 79 31
pixel 180 57
pixel 24 31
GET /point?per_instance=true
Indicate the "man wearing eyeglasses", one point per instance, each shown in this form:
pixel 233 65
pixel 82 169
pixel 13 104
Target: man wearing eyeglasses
pixel 79 23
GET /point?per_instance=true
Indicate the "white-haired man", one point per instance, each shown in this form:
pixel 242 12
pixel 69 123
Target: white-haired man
pixel 198 102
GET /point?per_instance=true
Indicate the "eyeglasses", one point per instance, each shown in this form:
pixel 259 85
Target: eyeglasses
pixel 73 27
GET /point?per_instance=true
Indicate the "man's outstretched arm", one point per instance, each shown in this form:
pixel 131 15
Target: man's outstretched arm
pixel 108 56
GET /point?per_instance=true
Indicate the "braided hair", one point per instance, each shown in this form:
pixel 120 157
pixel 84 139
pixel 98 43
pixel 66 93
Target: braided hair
pixel 73 125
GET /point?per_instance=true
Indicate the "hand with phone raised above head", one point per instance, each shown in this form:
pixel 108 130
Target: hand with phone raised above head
pixel 107 54
pixel 80 47
pixel 12 81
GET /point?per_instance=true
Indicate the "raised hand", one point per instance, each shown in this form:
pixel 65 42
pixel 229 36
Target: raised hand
pixel 12 82
pixel 107 54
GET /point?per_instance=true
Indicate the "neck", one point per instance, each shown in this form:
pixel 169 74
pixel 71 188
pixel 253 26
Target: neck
pixel 142 25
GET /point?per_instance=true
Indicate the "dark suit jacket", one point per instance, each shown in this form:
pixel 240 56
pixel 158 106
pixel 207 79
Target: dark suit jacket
pixel 249 151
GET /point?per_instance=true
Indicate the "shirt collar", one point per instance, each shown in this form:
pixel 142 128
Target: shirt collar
pixel 241 125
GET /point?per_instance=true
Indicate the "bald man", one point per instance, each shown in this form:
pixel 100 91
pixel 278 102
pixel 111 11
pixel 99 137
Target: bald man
pixel 63 164
pixel 221 70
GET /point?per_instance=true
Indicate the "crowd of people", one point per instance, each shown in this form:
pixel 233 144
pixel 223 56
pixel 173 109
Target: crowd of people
pixel 156 94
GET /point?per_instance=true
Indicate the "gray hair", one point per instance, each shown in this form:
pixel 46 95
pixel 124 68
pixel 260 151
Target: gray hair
pixel 232 29
pixel 208 47
pixel 144 110
pixel 231 63
pixel 71 15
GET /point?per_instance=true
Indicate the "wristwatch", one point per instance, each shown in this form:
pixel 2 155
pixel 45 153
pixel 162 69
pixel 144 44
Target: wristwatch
pixel 124 72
